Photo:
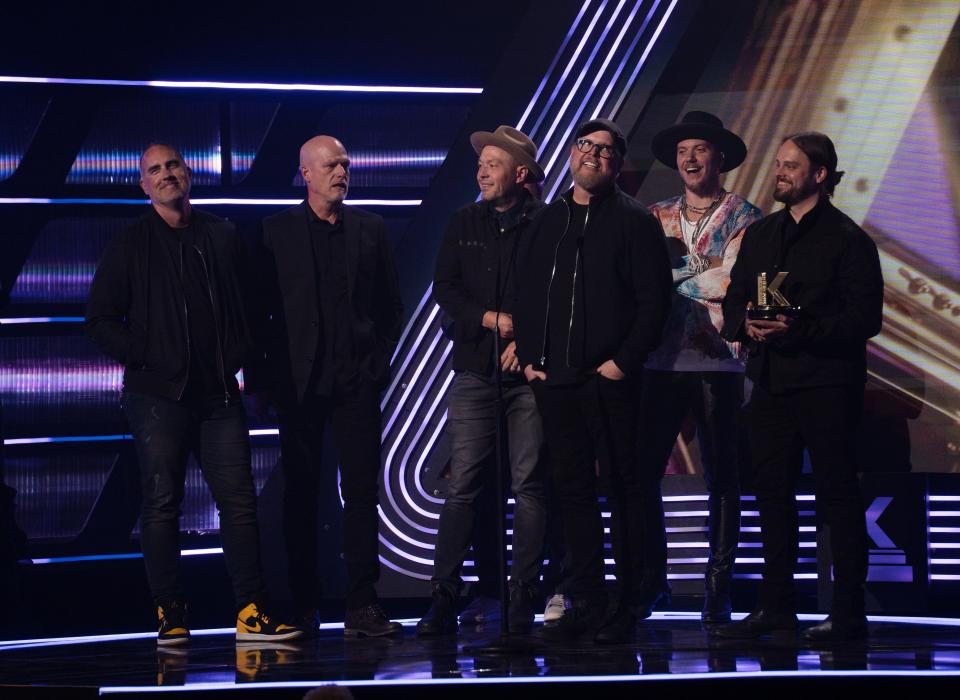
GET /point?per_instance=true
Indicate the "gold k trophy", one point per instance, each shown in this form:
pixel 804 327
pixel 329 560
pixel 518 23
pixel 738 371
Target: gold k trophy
pixel 770 300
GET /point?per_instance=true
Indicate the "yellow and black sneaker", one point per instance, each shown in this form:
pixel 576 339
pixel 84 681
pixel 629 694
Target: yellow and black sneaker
pixel 173 624
pixel 254 625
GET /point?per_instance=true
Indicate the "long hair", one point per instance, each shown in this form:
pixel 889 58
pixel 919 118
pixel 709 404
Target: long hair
pixel 822 153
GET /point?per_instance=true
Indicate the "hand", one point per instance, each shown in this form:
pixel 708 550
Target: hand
pixel 508 358
pixel 491 319
pixel 609 370
pixel 530 373
pixel 765 331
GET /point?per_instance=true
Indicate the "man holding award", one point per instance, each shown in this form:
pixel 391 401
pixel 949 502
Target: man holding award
pixel 805 294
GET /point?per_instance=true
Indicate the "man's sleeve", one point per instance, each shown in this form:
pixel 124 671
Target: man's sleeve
pixel 652 284
pixel 391 302
pixel 738 293
pixel 262 302
pixel 108 307
pixel 448 286
pixel 860 294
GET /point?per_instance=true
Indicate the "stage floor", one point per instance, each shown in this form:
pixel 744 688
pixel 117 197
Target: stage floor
pixel 671 648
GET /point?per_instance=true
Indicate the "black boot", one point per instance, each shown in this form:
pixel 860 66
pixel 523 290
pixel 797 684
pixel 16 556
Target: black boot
pixel 724 537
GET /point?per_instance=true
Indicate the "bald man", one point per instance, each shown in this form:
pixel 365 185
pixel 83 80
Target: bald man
pixel 166 303
pixel 328 326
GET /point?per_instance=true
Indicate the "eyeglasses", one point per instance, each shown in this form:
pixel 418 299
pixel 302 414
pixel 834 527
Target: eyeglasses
pixel 587 146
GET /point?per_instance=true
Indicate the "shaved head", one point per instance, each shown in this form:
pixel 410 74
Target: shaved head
pixel 325 168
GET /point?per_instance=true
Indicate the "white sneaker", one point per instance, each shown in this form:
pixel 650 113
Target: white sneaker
pixel 556 606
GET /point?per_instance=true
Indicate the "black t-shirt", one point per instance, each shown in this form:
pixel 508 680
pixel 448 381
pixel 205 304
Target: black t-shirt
pixel 566 301
pixel 204 380
pixel 335 366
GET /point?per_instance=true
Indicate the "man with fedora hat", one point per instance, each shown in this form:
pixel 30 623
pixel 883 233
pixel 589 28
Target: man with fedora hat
pixel 694 369
pixel 475 285
pixel 594 294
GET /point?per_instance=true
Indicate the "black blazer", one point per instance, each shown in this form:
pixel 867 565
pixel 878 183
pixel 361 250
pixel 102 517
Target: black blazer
pixel 285 300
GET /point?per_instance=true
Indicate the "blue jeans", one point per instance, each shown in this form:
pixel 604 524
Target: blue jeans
pixel 472 422
pixel 165 433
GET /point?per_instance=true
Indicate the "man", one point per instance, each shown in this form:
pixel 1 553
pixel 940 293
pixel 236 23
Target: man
pixel 593 298
pixel 474 284
pixel 166 302
pixel 328 326
pixel 694 369
pixel 808 371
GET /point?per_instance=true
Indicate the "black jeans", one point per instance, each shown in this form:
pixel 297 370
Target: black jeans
pixel 472 422
pixel 595 419
pixel 824 420
pixel 355 417
pixel 165 433
pixel 715 399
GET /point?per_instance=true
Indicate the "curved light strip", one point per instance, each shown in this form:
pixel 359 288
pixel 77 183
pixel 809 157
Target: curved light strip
pixel 224 85
pixel 428 447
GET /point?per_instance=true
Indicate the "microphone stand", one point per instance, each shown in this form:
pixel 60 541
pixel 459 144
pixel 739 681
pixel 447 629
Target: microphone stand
pixel 506 643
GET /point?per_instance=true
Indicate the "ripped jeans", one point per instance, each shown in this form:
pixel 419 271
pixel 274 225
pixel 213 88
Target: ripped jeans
pixel 165 433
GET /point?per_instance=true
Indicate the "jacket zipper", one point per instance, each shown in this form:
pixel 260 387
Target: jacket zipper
pixel 553 272
pixel 573 291
pixel 216 326
pixel 186 319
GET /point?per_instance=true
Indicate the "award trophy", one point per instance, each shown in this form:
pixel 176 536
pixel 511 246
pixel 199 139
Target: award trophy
pixel 770 301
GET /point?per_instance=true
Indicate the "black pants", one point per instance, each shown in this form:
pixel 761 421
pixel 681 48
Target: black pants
pixel 715 399
pixel 355 418
pixel 585 422
pixel 165 433
pixel 823 420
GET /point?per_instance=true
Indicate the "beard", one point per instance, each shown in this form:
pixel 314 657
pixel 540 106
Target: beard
pixel 794 193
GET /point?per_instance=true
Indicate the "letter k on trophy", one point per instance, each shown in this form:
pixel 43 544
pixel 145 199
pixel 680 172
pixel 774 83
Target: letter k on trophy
pixel 770 300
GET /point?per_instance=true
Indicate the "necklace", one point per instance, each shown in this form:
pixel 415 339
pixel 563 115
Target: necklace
pixel 697 262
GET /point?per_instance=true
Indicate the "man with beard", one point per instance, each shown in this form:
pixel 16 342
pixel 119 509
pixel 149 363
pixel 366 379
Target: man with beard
pixel 474 283
pixel 593 299
pixel 808 365
pixel 694 369
pixel 328 323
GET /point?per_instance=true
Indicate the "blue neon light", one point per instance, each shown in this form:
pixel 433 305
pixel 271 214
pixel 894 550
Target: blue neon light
pixel 223 85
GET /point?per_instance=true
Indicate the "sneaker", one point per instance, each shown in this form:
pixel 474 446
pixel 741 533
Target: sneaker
pixel 441 618
pixel 556 606
pixel 583 616
pixel 255 625
pixel 479 610
pixel 369 621
pixel 173 624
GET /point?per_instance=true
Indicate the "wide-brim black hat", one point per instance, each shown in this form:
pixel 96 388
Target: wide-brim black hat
pixel 699 125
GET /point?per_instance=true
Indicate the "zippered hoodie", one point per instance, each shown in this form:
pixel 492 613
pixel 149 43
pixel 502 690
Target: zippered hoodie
pixel 136 308
pixel 625 279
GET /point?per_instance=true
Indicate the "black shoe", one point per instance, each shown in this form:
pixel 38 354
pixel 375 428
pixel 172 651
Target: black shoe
pixel 369 621
pixel 644 603
pixel 840 629
pixel 441 618
pixel 584 616
pixel 716 608
pixel 523 604
pixel 309 623
pixel 620 627
pixel 757 624
pixel 255 625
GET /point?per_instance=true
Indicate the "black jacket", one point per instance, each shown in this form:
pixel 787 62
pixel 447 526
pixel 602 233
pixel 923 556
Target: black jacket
pixel 835 279
pixel 465 279
pixel 626 282
pixel 286 301
pixel 136 311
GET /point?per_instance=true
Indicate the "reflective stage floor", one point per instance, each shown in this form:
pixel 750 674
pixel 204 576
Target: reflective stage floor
pixel 671 651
